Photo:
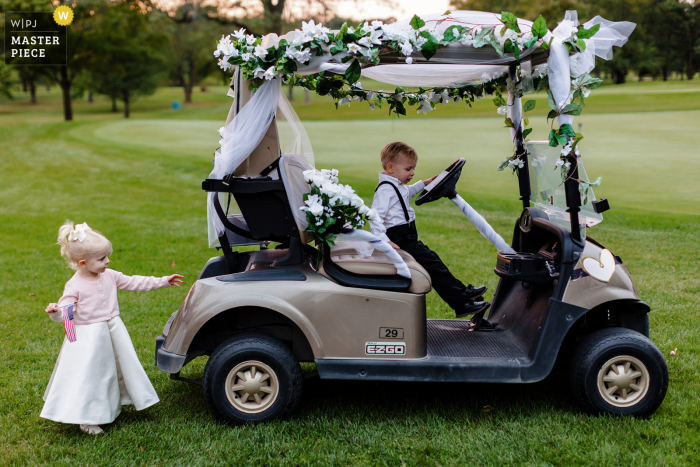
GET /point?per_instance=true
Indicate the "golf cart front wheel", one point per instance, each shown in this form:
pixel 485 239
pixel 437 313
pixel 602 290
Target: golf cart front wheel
pixel 252 379
pixel 618 371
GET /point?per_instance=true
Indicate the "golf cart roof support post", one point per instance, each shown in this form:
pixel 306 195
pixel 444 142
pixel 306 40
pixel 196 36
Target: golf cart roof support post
pixel 573 198
pixel 524 172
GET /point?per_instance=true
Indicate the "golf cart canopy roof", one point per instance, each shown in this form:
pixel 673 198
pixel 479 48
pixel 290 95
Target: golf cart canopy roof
pixel 455 65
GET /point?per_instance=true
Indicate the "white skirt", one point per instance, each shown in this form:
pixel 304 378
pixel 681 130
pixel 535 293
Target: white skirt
pixel 95 375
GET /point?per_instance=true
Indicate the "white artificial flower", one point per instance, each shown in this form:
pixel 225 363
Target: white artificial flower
pixel 316 209
pixel 475 31
pixel 369 95
pixel 527 37
pixel 510 34
pixel 409 60
pixel 485 78
pixel 250 39
pixel 334 172
pixel 345 100
pixel 318 180
pixel 445 96
pixel 567 164
pixel 346 194
pixel 351 30
pixel 436 34
pixel 225 46
pixel 224 64
pixel 353 48
pixel 502 110
pixel 371 107
pixel 406 48
pixel 246 57
pixel 308 175
pixel 334 179
pixel 303 55
pixel 258 72
pixel 356 201
pixel 559 163
pixel 260 51
pixel 240 34
pixel 313 199
pixel 467 40
pixel 372 215
pixel 376 25
pixel 425 106
pixel 366 41
pixel 362 209
pixel 331 189
pixel 270 73
pixel 290 52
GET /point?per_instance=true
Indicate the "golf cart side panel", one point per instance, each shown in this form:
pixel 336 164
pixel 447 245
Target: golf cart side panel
pixel 344 319
pixel 588 292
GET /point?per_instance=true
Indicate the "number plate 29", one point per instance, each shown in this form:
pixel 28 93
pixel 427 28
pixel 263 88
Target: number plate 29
pixel 390 333
pixel 385 348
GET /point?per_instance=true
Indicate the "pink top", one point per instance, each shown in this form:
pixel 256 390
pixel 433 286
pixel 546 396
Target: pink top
pixel 97 299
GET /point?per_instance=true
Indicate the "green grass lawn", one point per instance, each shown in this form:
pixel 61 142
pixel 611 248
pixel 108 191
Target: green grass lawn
pixel 138 181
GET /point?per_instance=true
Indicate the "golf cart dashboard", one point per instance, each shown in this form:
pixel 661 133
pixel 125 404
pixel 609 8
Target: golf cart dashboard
pixel 541 248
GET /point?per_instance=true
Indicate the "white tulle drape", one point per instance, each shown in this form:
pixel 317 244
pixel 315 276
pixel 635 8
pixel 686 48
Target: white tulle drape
pixel 562 67
pixel 374 242
pixel 481 225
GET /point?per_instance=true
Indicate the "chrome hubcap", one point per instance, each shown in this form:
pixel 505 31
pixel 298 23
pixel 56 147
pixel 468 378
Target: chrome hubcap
pixel 623 381
pixel 252 387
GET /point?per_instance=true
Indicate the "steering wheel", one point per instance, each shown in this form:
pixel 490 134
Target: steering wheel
pixel 444 184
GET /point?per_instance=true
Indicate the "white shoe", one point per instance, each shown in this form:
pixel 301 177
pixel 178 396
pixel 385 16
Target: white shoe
pixel 92 429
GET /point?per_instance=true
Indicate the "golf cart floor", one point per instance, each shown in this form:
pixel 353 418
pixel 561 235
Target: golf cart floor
pixel 451 338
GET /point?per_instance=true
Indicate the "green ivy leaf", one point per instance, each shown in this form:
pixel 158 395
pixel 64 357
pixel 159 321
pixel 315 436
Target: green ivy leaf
pixel 543 84
pixel 496 44
pixel 539 28
pixel 587 33
pixel 527 132
pixel 550 100
pixel 510 21
pixel 526 120
pixel 450 35
pixel 581 45
pixel 553 138
pixel 509 122
pixel 341 33
pixel 561 139
pixel 498 101
pixel 531 42
pixel 567 129
pixel 416 22
pixel 571 109
pixel 529 105
pixel 483 38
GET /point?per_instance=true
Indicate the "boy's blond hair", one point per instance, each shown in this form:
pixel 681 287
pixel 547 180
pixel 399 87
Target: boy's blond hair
pixel 393 151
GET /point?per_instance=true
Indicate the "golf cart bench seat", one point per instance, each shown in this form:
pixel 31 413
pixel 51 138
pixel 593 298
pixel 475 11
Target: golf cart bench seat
pixel 379 264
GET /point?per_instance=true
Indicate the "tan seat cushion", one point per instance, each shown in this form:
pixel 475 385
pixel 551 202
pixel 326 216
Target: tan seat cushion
pixel 347 258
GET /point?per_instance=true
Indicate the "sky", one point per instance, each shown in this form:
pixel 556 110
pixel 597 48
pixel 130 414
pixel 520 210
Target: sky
pixel 403 8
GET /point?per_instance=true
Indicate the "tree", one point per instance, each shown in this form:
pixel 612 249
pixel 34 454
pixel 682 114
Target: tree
pixel 125 60
pixel 5 80
pixel 79 52
pixel 684 19
pixel 193 39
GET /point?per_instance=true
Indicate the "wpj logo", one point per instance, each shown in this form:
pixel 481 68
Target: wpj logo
pixel 37 38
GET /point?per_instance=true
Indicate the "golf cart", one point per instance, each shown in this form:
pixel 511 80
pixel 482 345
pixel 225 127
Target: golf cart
pixel 561 296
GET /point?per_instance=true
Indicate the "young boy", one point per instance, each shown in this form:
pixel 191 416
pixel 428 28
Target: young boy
pixel 396 225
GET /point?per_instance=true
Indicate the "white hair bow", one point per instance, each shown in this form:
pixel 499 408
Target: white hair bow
pixel 79 232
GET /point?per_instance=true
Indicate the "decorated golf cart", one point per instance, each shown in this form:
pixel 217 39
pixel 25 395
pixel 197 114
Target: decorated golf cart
pixel 355 306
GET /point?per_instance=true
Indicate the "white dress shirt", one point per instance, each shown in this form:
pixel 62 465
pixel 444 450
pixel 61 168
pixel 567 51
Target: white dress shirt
pixel 389 207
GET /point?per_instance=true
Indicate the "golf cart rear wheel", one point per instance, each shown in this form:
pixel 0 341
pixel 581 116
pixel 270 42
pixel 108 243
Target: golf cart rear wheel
pixel 252 379
pixel 618 371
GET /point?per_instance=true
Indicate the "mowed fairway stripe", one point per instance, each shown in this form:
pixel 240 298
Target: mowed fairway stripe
pixel 647 160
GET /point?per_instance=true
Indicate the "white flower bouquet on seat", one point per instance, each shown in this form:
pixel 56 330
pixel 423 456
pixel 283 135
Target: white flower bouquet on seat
pixel 332 208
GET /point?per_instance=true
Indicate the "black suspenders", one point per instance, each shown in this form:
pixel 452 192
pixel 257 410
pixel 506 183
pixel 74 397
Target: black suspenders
pixel 403 204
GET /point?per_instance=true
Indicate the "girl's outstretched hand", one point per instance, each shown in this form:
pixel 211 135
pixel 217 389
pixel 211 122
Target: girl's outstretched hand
pixel 175 280
pixel 52 308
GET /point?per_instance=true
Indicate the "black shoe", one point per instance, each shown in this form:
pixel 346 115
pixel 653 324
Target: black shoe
pixel 473 308
pixel 475 293
pixel 478 323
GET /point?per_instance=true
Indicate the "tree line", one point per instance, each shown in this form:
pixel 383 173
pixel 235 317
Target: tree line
pixel 124 49
pixel 665 41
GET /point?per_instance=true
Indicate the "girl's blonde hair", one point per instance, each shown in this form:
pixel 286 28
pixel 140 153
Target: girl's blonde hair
pixel 75 250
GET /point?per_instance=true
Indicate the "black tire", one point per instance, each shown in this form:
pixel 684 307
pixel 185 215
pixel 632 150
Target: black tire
pixel 281 365
pixel 610 348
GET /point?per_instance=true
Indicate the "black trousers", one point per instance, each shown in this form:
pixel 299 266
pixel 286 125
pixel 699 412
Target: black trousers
pixel 447 286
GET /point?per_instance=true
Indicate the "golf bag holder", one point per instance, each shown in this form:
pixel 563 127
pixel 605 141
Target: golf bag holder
pixel 266 214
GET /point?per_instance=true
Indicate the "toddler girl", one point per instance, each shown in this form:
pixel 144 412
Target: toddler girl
pixel 97 370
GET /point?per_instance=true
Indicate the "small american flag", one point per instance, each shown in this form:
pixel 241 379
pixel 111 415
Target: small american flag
pixel 68 324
